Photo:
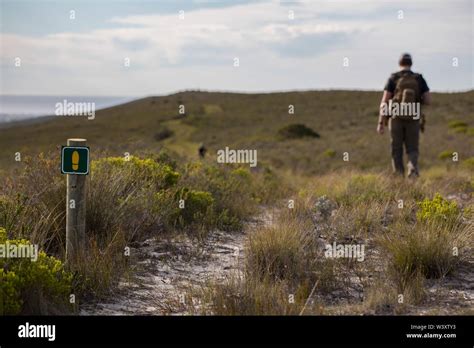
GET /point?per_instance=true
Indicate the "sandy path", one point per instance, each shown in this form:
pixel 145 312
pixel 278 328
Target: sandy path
pixel 164 270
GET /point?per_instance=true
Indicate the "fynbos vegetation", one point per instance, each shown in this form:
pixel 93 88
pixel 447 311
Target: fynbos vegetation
pixel 326 233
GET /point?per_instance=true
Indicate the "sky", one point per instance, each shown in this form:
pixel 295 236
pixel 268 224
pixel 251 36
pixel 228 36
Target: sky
pixel 139 48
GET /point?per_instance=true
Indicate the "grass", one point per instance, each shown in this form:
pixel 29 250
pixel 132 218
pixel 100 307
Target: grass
pixel 409 234
pixel 431 249
pixel 240 296
pixel 406 245
pixel 280 252
pixel 129 199
pixel 345 120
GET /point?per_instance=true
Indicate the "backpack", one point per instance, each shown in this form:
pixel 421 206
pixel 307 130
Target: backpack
pixel 407 89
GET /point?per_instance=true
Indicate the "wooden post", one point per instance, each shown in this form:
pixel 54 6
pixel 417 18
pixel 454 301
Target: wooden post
pixel 75 211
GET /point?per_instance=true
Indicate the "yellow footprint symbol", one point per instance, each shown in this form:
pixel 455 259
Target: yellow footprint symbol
pixel 75 160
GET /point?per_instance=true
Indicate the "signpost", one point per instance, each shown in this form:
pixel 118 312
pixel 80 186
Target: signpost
pixel 75 163
pixel 75 159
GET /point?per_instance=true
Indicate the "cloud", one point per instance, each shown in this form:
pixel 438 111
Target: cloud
pixel 198 51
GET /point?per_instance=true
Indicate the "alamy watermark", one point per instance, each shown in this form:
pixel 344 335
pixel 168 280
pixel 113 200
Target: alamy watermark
pixel 37 331
pixel 67 108
pixel 350 251
pixel 393 109
pixel 16 251
pixel 237 156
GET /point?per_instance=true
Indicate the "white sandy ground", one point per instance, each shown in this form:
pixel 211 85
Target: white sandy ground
pixel 163 276
pixel 163 271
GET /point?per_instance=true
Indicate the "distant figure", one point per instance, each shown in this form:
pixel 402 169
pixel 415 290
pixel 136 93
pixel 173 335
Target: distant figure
pixel 202 151
pixel 400 108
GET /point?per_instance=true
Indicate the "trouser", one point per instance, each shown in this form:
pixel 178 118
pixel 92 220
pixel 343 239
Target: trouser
pixel 405 132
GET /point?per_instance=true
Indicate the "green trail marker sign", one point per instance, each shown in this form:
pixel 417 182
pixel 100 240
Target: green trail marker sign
pixel 75 160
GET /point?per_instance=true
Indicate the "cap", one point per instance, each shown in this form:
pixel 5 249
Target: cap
pixel 405 59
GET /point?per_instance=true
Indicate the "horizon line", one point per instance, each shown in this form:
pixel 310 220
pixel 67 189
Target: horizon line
pixel 198 90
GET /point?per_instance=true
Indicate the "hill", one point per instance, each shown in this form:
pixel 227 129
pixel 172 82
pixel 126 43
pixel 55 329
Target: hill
pixel 306 232
pixel 345 121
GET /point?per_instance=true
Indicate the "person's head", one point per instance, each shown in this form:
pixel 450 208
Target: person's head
pixel 405 61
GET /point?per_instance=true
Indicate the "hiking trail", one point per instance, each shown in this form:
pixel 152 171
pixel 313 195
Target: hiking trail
pixel 162 271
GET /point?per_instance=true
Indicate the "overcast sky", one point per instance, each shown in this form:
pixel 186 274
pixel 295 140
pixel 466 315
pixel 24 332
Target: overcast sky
pixel 168 53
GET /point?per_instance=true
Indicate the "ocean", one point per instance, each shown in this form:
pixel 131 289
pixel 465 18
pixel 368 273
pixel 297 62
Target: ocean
pixel 18 108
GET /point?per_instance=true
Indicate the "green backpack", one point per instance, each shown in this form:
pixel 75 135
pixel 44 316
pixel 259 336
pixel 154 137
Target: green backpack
pixel 407 89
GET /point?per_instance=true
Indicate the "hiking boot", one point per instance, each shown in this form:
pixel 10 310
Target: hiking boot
pixel 412 171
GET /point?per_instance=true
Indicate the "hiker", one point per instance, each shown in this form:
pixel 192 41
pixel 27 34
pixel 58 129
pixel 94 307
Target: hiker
pixel 202 151
pixel 400 108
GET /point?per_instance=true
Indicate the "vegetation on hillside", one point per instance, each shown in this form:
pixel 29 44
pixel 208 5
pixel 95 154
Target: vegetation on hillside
pixel 128 199
pixel 146 181
pixel 406 244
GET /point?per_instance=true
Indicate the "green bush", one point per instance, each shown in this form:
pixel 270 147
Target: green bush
pixel 437 209
pixel 195 211
pixel 460 130
pixel 364 188
pixel 197 204
pixel 25 282
pixel 445 155
pixel 162 134
pixel 228 222
pixel 234 191
pixel 165 157
pixel 329 153
pixel 138 170
pixel 32 204
pixel 122 196
pixel 242 173
pixel 425 248
pixel 469 163
pixel 211 109
pixel 295 131
pixel 457 124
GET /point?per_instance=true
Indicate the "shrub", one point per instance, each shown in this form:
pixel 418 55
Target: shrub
pixel 242 173
pixel 295 131
pixel 284 252
pixel 26 285
pixel 137 170
pixel 457 124
pixel 165 157
pixel 382 297
pixel 211 109
pixel 32 204
pixel 461 129
pixel 329 153
pixel 32 207
pixel 197 206
pixel 163 134
pixel 280 260
pixel 235 191
pixel 241 296
pixel 437 209
pixel 365 188
pixel 122 196
pixel 427 249
pixel 445 155
pixel 469 163
pixel 324 207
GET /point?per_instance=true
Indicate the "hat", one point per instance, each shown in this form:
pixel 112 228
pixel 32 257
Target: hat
pixel 405 59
